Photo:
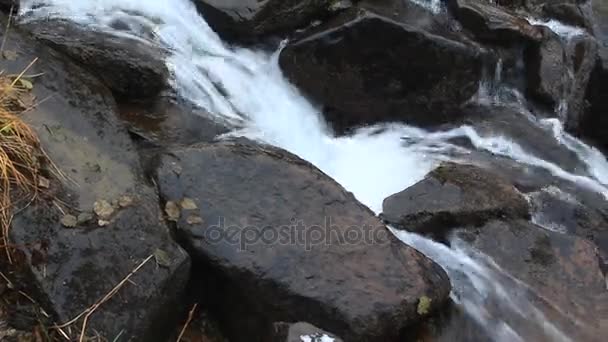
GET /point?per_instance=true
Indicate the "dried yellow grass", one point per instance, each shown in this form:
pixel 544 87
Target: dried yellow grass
pixel 20 154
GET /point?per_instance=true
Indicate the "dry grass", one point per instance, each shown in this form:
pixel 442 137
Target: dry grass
pixel 20 154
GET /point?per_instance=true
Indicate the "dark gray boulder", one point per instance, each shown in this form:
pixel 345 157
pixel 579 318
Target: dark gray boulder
pixel 247 19
pixel 131 68
pixel 284 242
pixel 410 75
pixel 561 272
pixel 452 196
pixel 70 269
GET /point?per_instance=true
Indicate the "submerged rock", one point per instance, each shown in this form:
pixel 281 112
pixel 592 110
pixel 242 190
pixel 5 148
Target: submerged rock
pixel 131 68
pixel 410 75
pixel 71 269
pixel 284 242
pixel 452 196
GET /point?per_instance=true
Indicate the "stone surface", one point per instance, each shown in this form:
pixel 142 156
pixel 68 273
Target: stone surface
pixel 491 23
pixel 593 122
pixel 71 269
pixel 130 68
pixel 562 273
pixel 409 75
pixel 452 196
pixel 246 19
pixel 284 242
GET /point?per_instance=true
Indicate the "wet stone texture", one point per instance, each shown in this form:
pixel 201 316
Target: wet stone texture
pixel 361 290
pixel 71 268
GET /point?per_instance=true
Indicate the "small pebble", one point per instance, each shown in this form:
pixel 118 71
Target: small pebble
pixel 84 218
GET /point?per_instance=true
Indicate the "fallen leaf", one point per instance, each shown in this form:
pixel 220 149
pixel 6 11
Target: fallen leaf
pixel 125 201
pixel 188 204
pixel 69 221
pixel 26 84
pixel 172 211
pixel 162 258
pixel 194 219
pixel 103 209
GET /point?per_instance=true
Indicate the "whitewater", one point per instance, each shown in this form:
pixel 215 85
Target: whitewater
pixel 245 89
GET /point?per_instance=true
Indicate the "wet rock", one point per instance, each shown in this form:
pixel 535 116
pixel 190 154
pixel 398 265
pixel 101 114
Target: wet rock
pixel 451 196
pixel 565 213
pixel 558 72
pixel 71 269
pixel 573 12
pixel 534 137
pixel 593 122
pixel 561 271
pixel 6 5
pixel 246 19
pixel 130 68
pixel 284 242
pixel 167 121
pixel 409 75
pixel 546 69
pixel 491 23
pixel 301 331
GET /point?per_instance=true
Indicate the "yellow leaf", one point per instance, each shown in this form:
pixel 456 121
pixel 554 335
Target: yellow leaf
pixel 26 84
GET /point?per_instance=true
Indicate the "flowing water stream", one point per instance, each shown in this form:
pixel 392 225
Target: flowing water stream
pixel 245 88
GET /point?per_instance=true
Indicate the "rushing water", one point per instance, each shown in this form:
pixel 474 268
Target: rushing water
pixel 245 88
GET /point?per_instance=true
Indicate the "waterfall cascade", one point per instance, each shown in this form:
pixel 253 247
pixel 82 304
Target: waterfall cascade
pixel 245 88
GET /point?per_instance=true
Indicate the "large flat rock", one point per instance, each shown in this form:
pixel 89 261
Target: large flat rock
pixel 286 243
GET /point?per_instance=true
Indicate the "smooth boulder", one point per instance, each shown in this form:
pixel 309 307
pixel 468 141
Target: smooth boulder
pixel 131 68
pixel 453 196
pixel 284 242
pixel 247 19
pixel 410 75
pixel 94 225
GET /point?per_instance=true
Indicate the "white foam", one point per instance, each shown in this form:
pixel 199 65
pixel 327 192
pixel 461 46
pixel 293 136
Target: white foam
pixel 435 6
pixel 559 28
